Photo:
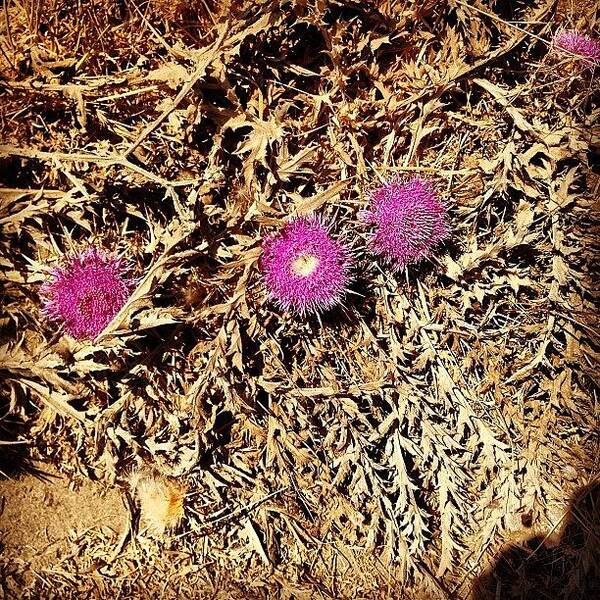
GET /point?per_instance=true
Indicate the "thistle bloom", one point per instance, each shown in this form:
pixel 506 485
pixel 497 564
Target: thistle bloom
pixel 86 292
pixel 583 46
pixel 304 268
pixel 408 221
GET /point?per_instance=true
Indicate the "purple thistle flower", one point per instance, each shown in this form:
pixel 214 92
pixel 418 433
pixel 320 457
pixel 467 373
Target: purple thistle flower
pixel 409 221
pixel 304 269
pixel 583 46
pixel 86 292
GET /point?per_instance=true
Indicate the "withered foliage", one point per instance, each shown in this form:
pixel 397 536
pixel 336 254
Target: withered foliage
pixel 388 449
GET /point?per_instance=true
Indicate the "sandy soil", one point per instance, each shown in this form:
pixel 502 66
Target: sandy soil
pixel 39 515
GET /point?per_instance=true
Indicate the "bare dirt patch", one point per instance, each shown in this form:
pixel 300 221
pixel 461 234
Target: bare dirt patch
pixel 40 516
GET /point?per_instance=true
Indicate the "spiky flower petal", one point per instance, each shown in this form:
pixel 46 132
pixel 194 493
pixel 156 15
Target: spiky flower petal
pixel 583 46
pixel 408 221
pixel 305 270
pixel 86 292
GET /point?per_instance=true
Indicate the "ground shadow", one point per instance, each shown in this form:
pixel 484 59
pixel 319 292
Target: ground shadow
pixel 561 567
pixel 14 450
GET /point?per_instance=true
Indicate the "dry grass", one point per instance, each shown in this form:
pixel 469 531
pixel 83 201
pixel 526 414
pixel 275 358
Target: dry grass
pixel 395 447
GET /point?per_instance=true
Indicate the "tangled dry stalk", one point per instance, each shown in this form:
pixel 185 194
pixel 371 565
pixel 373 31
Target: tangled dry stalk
pixel 392 448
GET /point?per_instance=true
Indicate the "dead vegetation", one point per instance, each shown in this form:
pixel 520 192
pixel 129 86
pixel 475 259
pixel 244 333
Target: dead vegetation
pixel 390 450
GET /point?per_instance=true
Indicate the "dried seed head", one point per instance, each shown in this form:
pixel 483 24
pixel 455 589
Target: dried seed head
pixel 160 498
pixel 408 221
pixel 305 270
pixel 86 292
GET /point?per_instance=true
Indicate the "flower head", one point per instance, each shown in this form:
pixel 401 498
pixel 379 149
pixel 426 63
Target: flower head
pixel 408 221
pixel 86 292
pixel 304 268
pixel 583 46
